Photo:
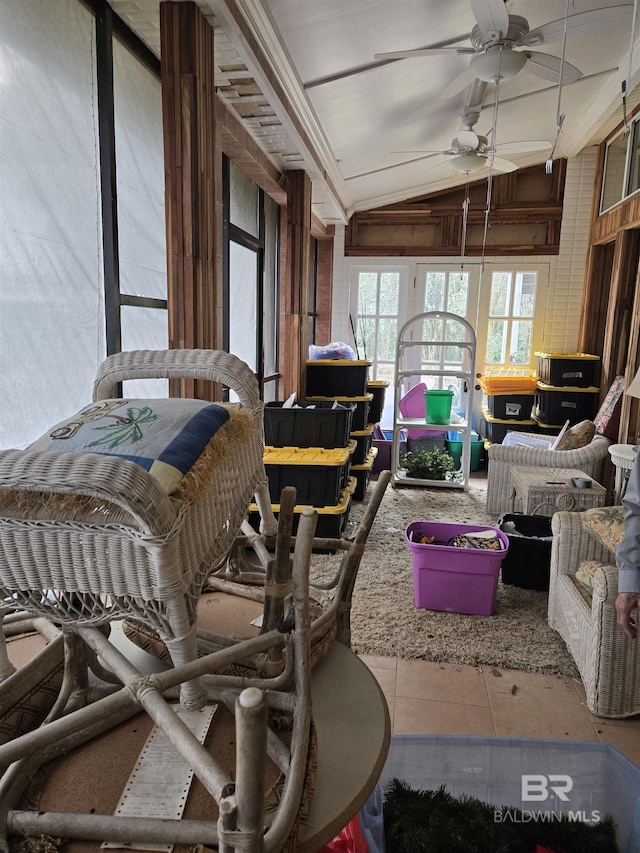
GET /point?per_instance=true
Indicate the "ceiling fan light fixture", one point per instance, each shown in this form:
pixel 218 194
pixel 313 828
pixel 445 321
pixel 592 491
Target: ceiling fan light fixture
pixel 468 162
pixel 498 63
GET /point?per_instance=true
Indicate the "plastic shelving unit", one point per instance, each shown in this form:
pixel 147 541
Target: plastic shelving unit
pixel 459 335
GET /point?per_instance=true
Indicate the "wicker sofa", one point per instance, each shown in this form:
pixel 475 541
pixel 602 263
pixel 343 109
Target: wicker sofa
pixel 589 459
pixel 608 661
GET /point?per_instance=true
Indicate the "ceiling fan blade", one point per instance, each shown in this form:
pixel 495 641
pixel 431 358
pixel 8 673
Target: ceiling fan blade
pixel 457 85
pixel 467 138
pixel 521 147
pixel 554 30
pixel 421 151
pixel 491 15
pixel 502 165
pixel 548 67
pixel 424 51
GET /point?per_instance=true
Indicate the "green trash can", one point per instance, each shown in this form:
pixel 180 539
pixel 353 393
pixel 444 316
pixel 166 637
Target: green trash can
pixel 454 448
pixel 437 406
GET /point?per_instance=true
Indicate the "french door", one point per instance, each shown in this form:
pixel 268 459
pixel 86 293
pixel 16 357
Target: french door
pixel 505 303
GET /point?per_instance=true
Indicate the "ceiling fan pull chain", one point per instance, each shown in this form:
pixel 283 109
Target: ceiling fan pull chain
pixel 548 166
pixel 465 213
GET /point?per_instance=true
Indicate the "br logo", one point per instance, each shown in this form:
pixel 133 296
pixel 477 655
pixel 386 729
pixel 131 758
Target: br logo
pixel 539 787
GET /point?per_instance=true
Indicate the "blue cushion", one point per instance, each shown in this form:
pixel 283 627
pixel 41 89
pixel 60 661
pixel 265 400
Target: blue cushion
pixel 163 436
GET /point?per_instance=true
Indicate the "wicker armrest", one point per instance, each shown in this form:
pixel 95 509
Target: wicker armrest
pixel 93 475
pixel 212 365
pixel 572 544
pixel 605 583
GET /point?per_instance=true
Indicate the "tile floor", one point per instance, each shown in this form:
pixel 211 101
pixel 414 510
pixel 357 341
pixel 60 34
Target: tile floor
pixel 451 699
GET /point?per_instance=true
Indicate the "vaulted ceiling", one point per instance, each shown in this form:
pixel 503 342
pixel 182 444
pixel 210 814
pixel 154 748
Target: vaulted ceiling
pixel 303 77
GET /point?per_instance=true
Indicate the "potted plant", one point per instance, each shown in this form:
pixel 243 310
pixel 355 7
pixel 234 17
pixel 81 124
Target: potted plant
pixel 428 465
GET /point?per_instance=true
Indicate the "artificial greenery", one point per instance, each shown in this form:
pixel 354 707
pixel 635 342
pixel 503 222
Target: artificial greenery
pixel 437 822
pixel 428 464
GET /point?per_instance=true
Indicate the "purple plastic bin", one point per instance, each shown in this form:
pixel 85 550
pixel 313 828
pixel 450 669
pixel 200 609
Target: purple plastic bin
pixel 458 580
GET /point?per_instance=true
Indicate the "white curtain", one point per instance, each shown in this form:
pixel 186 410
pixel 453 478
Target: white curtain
pixel 51 285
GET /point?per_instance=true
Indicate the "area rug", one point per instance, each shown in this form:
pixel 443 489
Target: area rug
pixel 385 620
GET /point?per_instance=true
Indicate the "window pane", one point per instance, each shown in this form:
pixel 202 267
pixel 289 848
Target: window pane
pixel 613 184
pixel 270 303
pixel 521 342
pixel 434 291
pixel 496 341
pixel 455 332
pixel 144 328
pixel 386 339
pixel 457 297
pixel 500 294
pixel 366 337
pixel 634 165
pixel 243 303
pixel 389 289
pixel 524 297
pixel 243 201
pixel 367 291
pixel 140 177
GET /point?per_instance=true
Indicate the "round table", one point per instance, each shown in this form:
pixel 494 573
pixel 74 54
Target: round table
pixel 622 456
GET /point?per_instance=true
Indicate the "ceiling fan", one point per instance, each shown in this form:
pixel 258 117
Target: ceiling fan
pixel 471 151
pixel 496 36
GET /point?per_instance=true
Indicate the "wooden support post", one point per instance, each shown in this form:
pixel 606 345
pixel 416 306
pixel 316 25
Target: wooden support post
pixel 296 332
pixel 191 158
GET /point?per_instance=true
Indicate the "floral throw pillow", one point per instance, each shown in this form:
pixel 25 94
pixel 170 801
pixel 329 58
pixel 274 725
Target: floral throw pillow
pixel 578 436
pixel 606 523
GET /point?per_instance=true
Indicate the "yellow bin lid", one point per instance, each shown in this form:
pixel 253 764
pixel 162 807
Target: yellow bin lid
pixel 542 386
pixel 371 458
pixel 309 455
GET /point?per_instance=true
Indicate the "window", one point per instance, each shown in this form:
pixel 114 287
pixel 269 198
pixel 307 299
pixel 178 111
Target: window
pixel 614 168
pixel 251 302
pixel 378 294
pixel 513 300
pixel 622 166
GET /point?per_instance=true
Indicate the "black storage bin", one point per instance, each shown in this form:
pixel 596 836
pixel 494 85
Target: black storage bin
pixel 318 475
pixel 437 441
pixel 577 369
pixel 362 473
pixel 377 387
pixel 325 424
pixel 330 377
pixel 497 428
pixel 332 520
pixel 363 439
pixel 511 406
pixel 360 417
pixel 557 405
pixel 529 559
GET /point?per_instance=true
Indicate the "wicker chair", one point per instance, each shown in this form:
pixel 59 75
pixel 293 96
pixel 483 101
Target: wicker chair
pixel 86 539
pixel 608 661
pixel 589 459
